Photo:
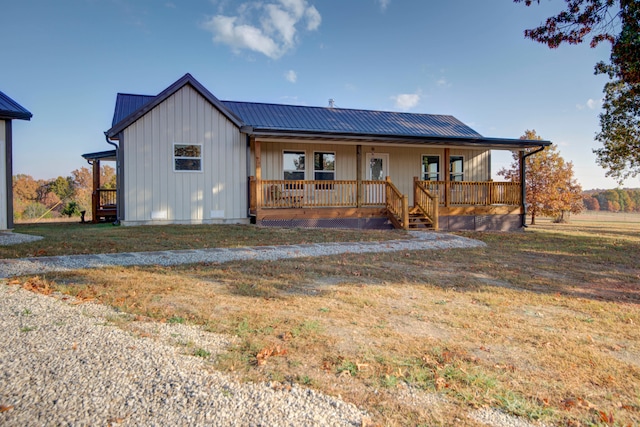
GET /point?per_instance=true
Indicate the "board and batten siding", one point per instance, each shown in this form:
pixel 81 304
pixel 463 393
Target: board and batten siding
pixel 405 163
pixel 153 190
pixel 3 177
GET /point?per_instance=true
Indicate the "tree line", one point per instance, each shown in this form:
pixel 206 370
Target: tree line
pixel 55 198
pixel 617 200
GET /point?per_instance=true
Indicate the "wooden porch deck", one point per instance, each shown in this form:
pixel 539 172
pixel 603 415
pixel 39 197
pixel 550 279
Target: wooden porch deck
pixel 103 204
pixel 286 199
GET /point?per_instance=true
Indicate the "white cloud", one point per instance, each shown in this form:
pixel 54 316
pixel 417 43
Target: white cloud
pixel 442 82
pixel 406 101
pixel 291 76
pixel 269 28
pixel 383 4
pixel 591 104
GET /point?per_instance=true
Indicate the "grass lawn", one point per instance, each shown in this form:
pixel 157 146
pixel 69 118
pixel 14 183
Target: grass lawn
pixel 74 238
pixel 542 324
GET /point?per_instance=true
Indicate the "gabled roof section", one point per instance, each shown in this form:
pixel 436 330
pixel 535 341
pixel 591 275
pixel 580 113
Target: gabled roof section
pixel 10 109
pixel 147 104
pixel 275 117
pixel 127 104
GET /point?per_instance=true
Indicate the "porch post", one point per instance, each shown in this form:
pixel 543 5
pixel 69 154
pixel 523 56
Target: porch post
pixel 358 175
pixel 447 176
pixel 258 159
pixel 95 194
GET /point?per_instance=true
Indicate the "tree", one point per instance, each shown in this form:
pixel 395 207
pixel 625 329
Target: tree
pixel 551 188
pixel 591 203
pixel 618 22
pixel 82 186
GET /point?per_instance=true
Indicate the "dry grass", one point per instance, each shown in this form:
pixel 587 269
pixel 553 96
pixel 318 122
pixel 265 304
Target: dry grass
pixel 541 324
pixel 74 238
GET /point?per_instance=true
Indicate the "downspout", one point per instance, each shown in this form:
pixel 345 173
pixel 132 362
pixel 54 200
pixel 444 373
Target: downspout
pixel 523 181
pixel 118 175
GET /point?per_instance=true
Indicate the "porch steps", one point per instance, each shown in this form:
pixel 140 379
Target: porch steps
pixel 417 221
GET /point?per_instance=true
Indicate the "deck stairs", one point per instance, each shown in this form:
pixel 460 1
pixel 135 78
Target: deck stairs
pixel 417 220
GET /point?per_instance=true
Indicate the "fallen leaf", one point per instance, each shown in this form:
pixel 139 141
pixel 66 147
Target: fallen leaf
pixel 5 408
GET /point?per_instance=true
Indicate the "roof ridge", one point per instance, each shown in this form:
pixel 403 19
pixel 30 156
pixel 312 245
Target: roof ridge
pixel 339 108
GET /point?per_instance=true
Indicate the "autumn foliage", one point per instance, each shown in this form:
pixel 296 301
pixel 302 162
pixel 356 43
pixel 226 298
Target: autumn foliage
pixel 57 197
pixel 551 187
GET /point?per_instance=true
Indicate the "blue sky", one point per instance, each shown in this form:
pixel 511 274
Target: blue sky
pixel 66 60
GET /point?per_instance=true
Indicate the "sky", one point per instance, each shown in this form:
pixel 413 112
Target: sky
pixel 66 60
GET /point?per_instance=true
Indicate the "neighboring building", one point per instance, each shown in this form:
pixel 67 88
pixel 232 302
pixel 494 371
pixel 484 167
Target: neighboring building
pixel 9 111
pixel 186 157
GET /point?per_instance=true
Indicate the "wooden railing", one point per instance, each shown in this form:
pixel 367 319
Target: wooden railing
pixel 397 206
pixel 313 194
pixel 425 202
pixel 459 193
pixel 106 197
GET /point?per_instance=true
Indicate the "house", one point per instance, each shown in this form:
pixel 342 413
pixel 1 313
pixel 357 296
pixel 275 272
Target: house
pixel 184 156
pixel 9 110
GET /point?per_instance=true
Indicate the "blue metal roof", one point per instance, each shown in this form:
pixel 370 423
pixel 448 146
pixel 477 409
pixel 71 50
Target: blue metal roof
pixel 127 103
pixel 10 109
pixel 278 117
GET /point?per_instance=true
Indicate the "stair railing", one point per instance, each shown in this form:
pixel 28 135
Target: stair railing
pixel 425 202
pixel 397 206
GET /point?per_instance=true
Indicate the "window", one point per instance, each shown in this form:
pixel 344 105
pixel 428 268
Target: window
pixel 324 166
pixel 293 165
pixel 187 157
pixel 430 168
pixel 456 168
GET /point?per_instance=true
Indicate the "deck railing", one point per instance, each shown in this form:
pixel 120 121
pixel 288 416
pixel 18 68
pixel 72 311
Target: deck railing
pixel 313 194
pixel 107 197
pixel 284 194
pixel 397 206
pixel 425 202
pixel 465 193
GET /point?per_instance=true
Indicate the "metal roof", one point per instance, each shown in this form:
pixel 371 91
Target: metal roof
pixel 348 121
pixel 101 155
pixel 150 104
pixel 295 121
pixel 127 104
pixel 10 109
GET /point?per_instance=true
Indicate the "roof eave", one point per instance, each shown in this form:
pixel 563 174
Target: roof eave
pixel 495 143
pixel 15 115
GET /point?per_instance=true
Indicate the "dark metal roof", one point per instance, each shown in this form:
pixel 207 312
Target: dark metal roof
pixel 10 109
pixel 347 121
pixel 127 104
pixel 101 155
pixel 187 79
pixel 294 121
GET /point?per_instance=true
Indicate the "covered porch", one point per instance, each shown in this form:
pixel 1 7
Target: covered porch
pixel 431 201
pixel 104 206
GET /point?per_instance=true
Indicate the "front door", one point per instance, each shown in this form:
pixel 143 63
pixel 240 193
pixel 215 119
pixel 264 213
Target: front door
pixel 378 166
pixel 377 170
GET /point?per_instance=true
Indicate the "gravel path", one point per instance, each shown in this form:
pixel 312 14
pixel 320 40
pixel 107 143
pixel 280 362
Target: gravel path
pixel 420 241
pixel 63 363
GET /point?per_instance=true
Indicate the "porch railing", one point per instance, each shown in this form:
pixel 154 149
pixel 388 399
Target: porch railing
pixel 106 197
pixel 313 194
pixel 397 206
pixel 425 202
pixel 458 193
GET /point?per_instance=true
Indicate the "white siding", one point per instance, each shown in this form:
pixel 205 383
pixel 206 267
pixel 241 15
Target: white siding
pixel 3 177
pixel 218 193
